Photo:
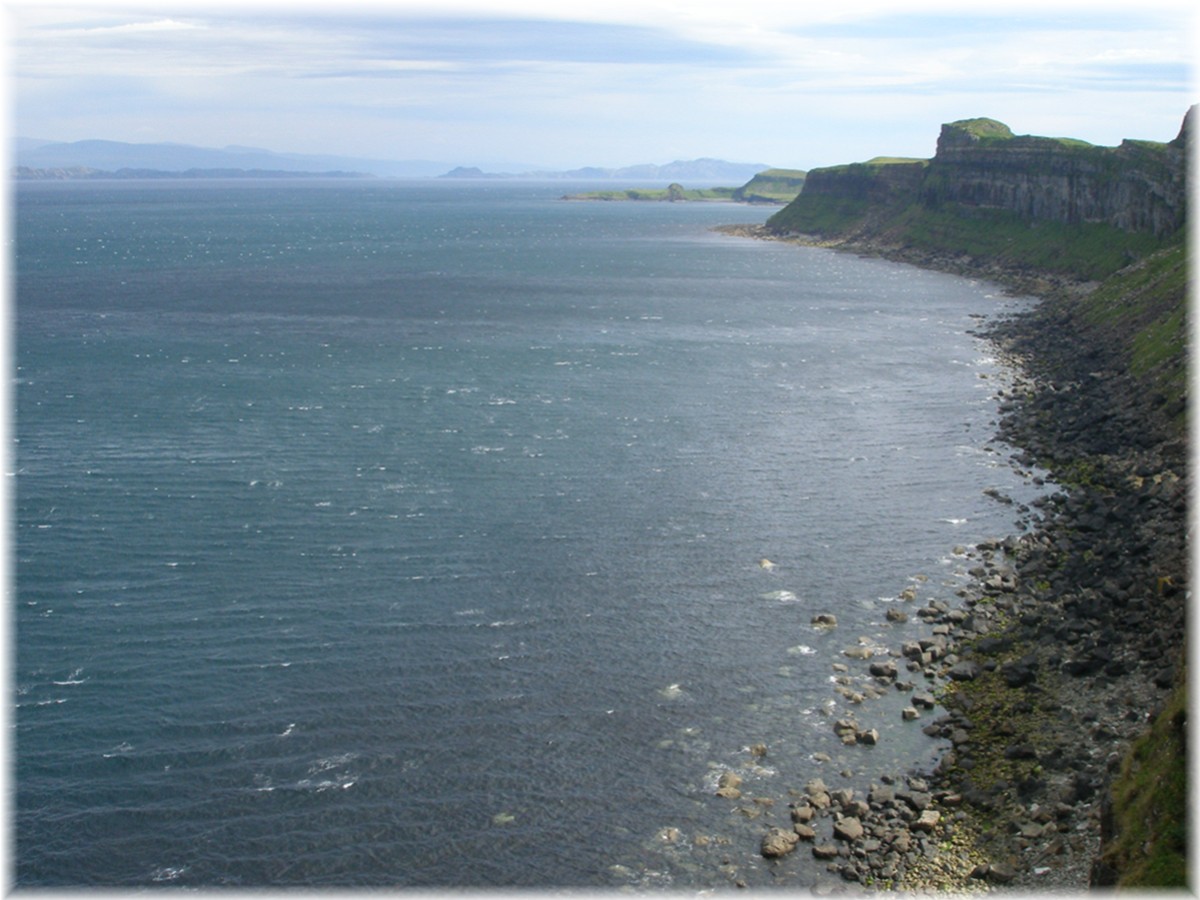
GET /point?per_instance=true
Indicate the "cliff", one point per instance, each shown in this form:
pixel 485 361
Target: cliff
pixel 1080 705
pixel 772 186
pixel 1051 204
pixel 1136 187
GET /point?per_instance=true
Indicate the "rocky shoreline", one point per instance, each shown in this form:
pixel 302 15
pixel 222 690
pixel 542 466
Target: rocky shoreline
pixel 1045 668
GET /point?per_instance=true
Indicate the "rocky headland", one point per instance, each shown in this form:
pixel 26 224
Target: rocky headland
pixel 1058 676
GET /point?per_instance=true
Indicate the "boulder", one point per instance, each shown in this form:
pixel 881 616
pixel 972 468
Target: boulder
pixel 727 786
pixel 777 842
pixel 927 821
pixel 848 828
pixel 825 851
pixel 967 670
pixel 883 669
pixel 803 813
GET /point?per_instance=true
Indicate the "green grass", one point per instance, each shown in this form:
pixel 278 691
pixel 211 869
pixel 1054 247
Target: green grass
pixel 1150 804
pixel 1090 251
pixel 820 214
pixel 1148 302
pixel 772 185
pixel 984 128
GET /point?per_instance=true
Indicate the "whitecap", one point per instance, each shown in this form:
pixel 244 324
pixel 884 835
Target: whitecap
pixel 73 678
pixel 781 596
pixel 672 691
pixel 801 650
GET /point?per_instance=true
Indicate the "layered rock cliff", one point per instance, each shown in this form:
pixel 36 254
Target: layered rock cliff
pixel 1052 204
pixel 1137 186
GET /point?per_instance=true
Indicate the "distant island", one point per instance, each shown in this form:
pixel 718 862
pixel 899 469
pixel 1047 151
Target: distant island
pixel 704 170
pixel 773 186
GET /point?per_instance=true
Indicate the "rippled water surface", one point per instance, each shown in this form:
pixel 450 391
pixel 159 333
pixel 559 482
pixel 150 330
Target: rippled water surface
pixel 395 533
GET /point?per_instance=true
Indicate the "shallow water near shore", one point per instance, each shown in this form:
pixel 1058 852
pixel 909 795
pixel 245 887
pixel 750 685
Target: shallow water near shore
pixel 409 534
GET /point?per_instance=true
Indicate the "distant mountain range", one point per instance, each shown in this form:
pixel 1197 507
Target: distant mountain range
pixel 35 158
pixel 111 156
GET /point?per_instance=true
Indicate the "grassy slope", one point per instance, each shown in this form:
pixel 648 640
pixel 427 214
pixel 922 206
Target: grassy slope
pixel 1150 805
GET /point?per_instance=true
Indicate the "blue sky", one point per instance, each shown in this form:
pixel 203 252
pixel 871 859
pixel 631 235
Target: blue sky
pixel 564 84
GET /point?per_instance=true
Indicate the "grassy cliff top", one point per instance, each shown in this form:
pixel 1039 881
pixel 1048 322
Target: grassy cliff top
pixel 984 128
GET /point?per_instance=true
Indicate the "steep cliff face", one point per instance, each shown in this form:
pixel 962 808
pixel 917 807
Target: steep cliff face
pixel 877 181
pixel 1136 187
pixel 1052 203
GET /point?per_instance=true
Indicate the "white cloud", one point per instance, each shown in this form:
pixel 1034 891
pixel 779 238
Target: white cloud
pixel 588 77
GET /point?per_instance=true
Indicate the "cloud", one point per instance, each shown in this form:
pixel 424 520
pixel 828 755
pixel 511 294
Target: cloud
pixel 694 76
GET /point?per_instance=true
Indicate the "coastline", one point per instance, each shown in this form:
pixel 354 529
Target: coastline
pixel 1056 657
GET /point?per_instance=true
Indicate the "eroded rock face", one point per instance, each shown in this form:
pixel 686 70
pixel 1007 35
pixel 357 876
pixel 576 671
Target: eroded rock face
pixel 1137 186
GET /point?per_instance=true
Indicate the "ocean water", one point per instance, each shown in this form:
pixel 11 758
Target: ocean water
pixel 409 534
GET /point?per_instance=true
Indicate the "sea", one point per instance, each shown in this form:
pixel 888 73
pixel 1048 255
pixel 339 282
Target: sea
pixel 437 534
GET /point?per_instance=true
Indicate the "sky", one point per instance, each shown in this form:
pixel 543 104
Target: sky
pixel 562 84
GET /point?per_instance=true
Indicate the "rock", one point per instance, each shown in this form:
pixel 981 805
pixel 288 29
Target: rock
pixel 803 813
pixel 927 821
pixel 825 851
pixel 923 700
pixel 882 795
pixel 896 615
pixel 1000 873
pixel 727 785
pixel 1020 751
pixel 845 726
pixel 758 750
pixel 858 652
pixel 805 832
pixel 870 737
pixel 777 842
pixel 909 713
pixel 848 828
pixel 825 620
pixel 967 670
pixel 883 669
